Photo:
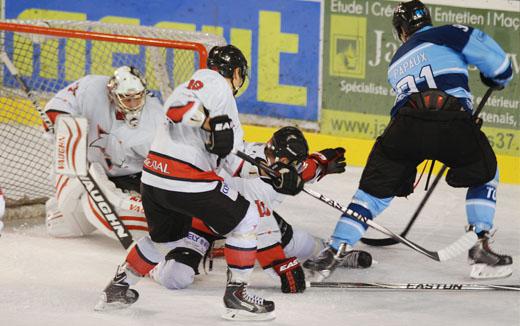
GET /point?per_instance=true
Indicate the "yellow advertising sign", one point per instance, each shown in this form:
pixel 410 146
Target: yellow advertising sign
pixel 348 46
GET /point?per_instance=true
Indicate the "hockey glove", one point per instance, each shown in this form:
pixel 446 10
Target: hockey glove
pixel 221 135
pixel 489 82
pixel 291 274
pixel 331 160
pixel 287 181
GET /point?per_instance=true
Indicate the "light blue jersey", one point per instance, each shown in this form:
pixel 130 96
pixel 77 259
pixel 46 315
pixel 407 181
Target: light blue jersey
pixel 421 64
pixel 436 58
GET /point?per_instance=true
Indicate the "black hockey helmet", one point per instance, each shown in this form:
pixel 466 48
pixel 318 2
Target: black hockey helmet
pixel 289 142
pixel 225 59
pixel 409 17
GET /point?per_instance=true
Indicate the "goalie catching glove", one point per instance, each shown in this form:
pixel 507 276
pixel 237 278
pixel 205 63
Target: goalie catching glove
pixel 221 135
pixel 291 274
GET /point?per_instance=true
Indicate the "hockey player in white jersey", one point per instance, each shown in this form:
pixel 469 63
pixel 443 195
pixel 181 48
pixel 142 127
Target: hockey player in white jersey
pixel 122 118
pixel 180 181
pixel 280 246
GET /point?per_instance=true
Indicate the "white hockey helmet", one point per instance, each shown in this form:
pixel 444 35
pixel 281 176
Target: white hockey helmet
pixel 127 89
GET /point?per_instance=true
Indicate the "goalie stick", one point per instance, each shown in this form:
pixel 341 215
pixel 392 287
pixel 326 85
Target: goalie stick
pixel 463 244
pixel 391 241
pixel 454 287
pixel 102 204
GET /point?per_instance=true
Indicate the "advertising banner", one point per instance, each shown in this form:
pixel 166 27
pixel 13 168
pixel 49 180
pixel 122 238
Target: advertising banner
pixel 279 38
pixel 358 46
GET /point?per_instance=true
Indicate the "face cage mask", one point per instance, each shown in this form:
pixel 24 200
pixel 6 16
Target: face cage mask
pixel 131 115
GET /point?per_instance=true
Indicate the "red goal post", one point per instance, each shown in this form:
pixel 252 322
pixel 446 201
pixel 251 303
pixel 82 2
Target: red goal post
pixel 50 55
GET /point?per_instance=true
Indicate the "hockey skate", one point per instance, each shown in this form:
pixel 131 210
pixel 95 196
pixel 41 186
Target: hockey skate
pixel 356 259
pixel 242 305
pixel 486 264
pixel 117 294
pixel 322 266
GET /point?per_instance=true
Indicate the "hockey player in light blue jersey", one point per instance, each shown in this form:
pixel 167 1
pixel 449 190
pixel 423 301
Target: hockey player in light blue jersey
pixel 431 119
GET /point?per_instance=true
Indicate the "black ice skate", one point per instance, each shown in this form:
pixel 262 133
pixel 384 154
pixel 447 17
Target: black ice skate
pixel 241 305
pixel 117 294
pixel 326 262
pixel 487 264
pixel 356 259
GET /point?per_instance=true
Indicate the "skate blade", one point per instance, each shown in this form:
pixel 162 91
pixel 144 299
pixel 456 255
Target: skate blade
pixel 103 305
pixel 486 272
pixel 317 276
pixel 242 315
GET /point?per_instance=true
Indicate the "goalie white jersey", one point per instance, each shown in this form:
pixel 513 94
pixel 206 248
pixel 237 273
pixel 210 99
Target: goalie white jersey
pixel 120 149
pixel 178 159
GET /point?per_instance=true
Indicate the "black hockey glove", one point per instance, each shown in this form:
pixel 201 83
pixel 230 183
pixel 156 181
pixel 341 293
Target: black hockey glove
pixel 287 181
pixel 291 274
pixel 331 160
pixel 490 83
pixel 221 135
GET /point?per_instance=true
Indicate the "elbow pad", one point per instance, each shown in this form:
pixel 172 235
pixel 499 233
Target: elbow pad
pixel 191 114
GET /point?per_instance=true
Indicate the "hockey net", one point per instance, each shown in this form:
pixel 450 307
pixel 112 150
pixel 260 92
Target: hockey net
pixel 49 55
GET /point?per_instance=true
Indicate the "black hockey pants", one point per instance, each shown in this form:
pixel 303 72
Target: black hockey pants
pixel 412 136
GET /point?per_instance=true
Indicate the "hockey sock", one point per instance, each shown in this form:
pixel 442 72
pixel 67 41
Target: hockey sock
pixel 143 257
pixel 266 256
pixel 481 204
pixel 348 229
pixel 240 261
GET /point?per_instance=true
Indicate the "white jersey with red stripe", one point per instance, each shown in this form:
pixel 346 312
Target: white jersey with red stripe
pixel 255 190
pixel 178 159
pixel 120 149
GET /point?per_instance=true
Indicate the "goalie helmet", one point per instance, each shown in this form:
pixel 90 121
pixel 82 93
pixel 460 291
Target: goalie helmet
pixel 225 59
pixel 127 89
pixel 409 17
pixel 290 143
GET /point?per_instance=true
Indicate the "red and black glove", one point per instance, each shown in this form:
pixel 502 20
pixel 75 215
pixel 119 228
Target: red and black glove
pixel 291 274
pixel 331 160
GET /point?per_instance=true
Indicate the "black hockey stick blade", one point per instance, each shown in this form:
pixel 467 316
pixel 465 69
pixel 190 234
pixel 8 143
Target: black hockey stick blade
pixel 453 287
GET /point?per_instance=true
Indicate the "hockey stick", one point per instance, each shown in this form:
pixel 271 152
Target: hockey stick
pixel 461 245
pixel 103 205
pixel 390 241
pixel 414 286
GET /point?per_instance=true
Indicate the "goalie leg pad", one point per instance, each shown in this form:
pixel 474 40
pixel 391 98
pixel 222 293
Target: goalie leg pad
pixel 64 217
pixel 128 206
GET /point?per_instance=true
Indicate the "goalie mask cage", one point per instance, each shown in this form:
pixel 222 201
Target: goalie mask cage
pixel 49 55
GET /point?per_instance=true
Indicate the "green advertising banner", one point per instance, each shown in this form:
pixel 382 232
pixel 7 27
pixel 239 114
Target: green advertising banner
pixel 358 46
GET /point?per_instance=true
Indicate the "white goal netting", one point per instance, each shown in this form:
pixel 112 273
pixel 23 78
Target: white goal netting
pixel 50 55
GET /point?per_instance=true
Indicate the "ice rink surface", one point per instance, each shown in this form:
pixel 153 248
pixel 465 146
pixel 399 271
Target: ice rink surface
pixel 46 281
